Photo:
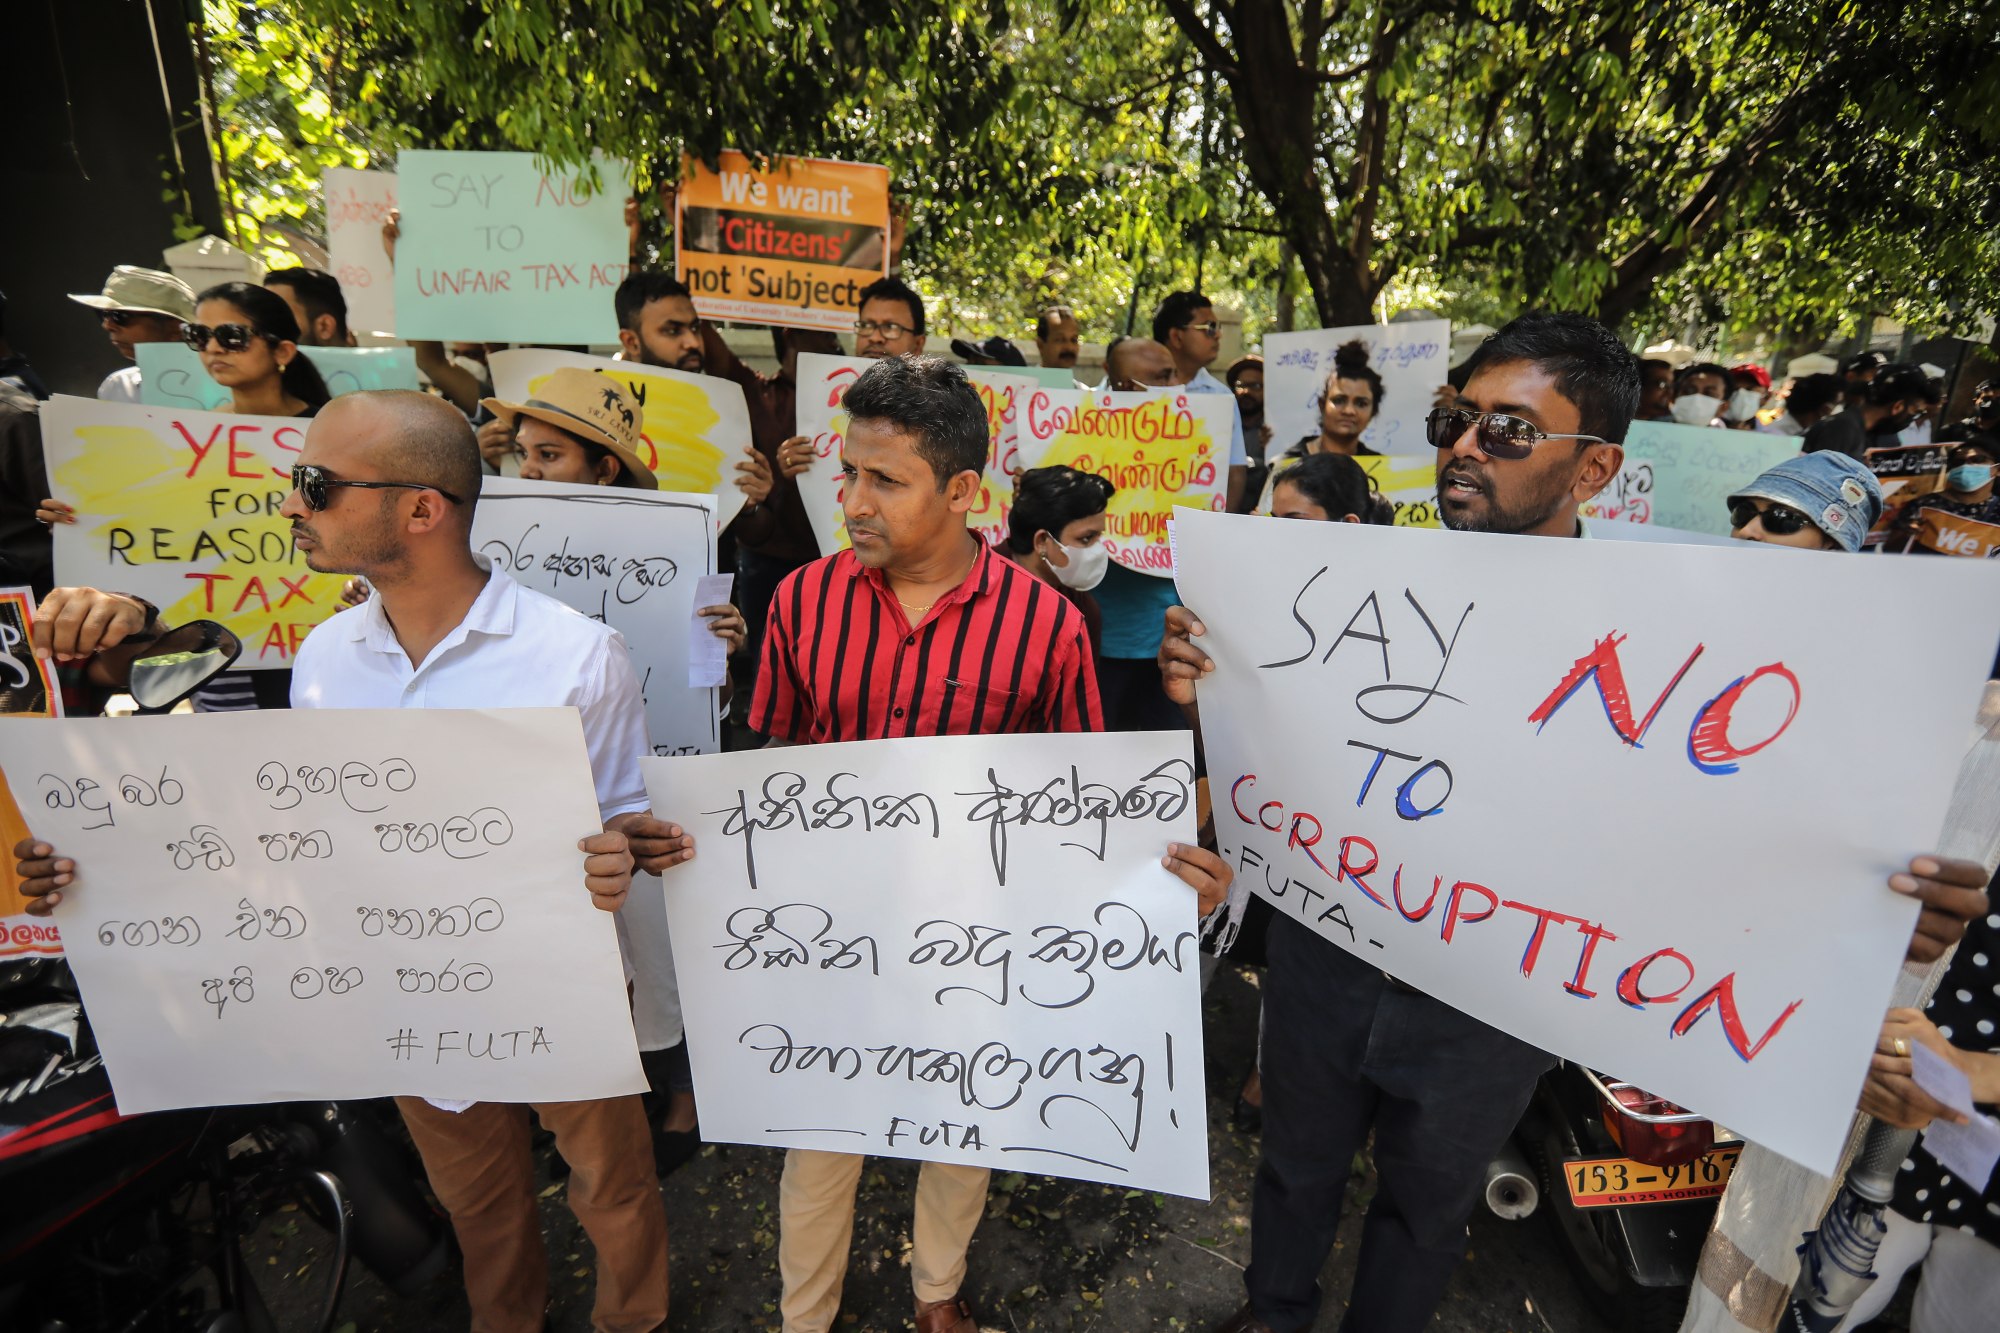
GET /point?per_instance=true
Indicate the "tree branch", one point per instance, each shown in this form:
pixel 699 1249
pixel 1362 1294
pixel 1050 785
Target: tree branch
pixel 1203 37
pixel 1104 110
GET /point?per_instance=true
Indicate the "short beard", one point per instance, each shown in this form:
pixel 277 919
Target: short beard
pixel 1531 513
pixel 376 553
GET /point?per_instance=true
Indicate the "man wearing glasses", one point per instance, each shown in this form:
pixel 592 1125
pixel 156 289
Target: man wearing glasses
pixel 138 305
pixel 1185 324
pixel 891 321
pixel 1347 1049
pixel 385 487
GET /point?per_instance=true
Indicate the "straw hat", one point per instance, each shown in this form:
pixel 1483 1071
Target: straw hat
pixel 143 291
pixel 591 406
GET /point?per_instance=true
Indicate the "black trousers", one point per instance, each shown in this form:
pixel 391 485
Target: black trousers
pixel 1347 1051
pixel 1133 697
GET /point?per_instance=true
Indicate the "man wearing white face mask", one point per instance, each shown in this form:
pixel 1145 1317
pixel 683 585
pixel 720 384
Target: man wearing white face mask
pixel 1701 391
pixel 1053 532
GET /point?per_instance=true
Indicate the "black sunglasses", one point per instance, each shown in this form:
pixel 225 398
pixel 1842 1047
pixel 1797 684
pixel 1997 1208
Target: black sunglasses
pixel 1779 520
pixel 118 319
pixel 313 484
pixel 233 337
pixel 1500 435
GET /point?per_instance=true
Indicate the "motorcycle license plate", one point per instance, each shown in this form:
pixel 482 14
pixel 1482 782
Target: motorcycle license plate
pixel 1620 1182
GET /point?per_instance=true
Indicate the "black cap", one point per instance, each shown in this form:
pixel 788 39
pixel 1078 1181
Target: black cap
pixel 995 351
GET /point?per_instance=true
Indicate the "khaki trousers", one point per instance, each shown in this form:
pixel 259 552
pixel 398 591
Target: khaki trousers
pixel 482 1172
pixel 816 1227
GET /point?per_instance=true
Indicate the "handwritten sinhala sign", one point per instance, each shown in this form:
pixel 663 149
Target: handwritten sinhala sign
pixel 957 949
pixel 1412 359
pixel 181 508
pixel 357 204
pixel 1583 793
pixel 1682 476
pixel 310 904
pixel 693 428
pixel 493 249
pixel 171 374
pixel 628 558
pixel 791 246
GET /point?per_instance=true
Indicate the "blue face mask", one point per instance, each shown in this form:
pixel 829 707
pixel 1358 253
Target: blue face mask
pixel 1969 476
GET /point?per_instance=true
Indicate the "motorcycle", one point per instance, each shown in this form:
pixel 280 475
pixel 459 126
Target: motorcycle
pixel 140 1222
pixel 1630 1183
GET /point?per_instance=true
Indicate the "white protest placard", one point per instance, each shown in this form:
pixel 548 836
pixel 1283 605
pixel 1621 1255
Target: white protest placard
pixel 495 250
pixel 955 949
pixel 1610 797
pixel 823 382
pixel 357 204
pixel 693 429
pixel 1412 359
pixel 1682 476
pixel 306 905
pixel 629 558
pixel 181 508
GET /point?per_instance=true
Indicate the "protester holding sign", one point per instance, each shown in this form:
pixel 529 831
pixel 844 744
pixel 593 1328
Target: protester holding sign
pixel 1964 517
pixel 1347 402
pixel 1824 501
pixel 138 305
pixel 1534 436
pixel 969 643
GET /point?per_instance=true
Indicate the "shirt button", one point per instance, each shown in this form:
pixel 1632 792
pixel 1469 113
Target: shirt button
pixel 910 642
pixel 899 712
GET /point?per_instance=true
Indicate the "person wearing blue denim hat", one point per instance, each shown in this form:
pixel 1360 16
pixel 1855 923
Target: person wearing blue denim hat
pixel 1821 502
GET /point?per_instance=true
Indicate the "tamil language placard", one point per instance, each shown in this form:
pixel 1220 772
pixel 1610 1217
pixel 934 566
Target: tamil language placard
pixel 181 508
pixel 171 374
pixel 357 204
pixel 693 429
pixel 493 249
pixel 631 559
pixel 1610 797
pixel 790 244
pixel 307 905
pixel 1159 450
pixel 1412 358
pixel 955 949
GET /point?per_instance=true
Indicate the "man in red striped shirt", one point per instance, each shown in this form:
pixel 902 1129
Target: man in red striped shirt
pixel 920 630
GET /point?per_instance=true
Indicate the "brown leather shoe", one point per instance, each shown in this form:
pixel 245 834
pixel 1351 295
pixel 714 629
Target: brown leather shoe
pixel 1243 1321
pixel 952 1316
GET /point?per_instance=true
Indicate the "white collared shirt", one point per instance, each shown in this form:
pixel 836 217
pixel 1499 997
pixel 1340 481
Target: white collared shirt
pixel 515 649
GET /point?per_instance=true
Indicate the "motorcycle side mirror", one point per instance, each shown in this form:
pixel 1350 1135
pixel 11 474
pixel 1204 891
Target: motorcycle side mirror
pixel 180 662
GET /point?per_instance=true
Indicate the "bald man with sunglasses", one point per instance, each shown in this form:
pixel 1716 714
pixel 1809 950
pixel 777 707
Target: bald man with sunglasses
pixel 385 486
pixel 1349 1050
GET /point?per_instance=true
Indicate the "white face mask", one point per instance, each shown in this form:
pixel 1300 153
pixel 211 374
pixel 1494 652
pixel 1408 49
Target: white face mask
pixel 1085 569
pixel 1744 403
pixel 1696 409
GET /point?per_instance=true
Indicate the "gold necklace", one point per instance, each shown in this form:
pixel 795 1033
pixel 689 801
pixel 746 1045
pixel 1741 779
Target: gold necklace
pixel 918 609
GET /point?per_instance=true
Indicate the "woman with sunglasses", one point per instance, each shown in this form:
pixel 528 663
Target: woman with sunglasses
pixel 248 341
pixel 1818 502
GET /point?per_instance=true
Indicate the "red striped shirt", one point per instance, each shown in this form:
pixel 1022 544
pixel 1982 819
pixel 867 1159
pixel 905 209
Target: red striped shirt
pixel 1001 652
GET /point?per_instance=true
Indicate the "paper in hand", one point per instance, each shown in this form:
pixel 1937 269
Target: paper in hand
pixel 708 654
pixel 1968 1151
pixel 1940 1078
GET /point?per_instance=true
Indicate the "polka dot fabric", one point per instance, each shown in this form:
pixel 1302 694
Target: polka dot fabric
pixel 1966 1008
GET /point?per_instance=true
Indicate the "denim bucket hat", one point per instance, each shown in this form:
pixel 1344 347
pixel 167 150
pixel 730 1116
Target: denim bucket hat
pixel 1838 494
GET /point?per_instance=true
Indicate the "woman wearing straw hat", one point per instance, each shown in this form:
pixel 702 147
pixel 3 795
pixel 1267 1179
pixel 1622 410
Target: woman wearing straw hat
pixel 582 426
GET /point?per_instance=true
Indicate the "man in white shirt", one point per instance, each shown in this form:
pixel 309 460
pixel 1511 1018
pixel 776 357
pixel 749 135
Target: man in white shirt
pixel 1185 324
pixel 385 487
pixel 138 305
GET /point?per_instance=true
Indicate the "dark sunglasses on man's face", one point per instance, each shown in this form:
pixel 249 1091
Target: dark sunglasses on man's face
pixel 1500 434
pixel 231 337
pixel 314 484
pixel 119 319
pixel 1779 520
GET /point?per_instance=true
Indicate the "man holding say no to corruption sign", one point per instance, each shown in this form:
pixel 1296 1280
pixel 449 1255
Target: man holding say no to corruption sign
pixel 1475 678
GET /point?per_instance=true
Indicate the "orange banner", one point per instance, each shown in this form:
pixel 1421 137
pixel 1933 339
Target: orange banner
pixel 1954 534
pixel 791 246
